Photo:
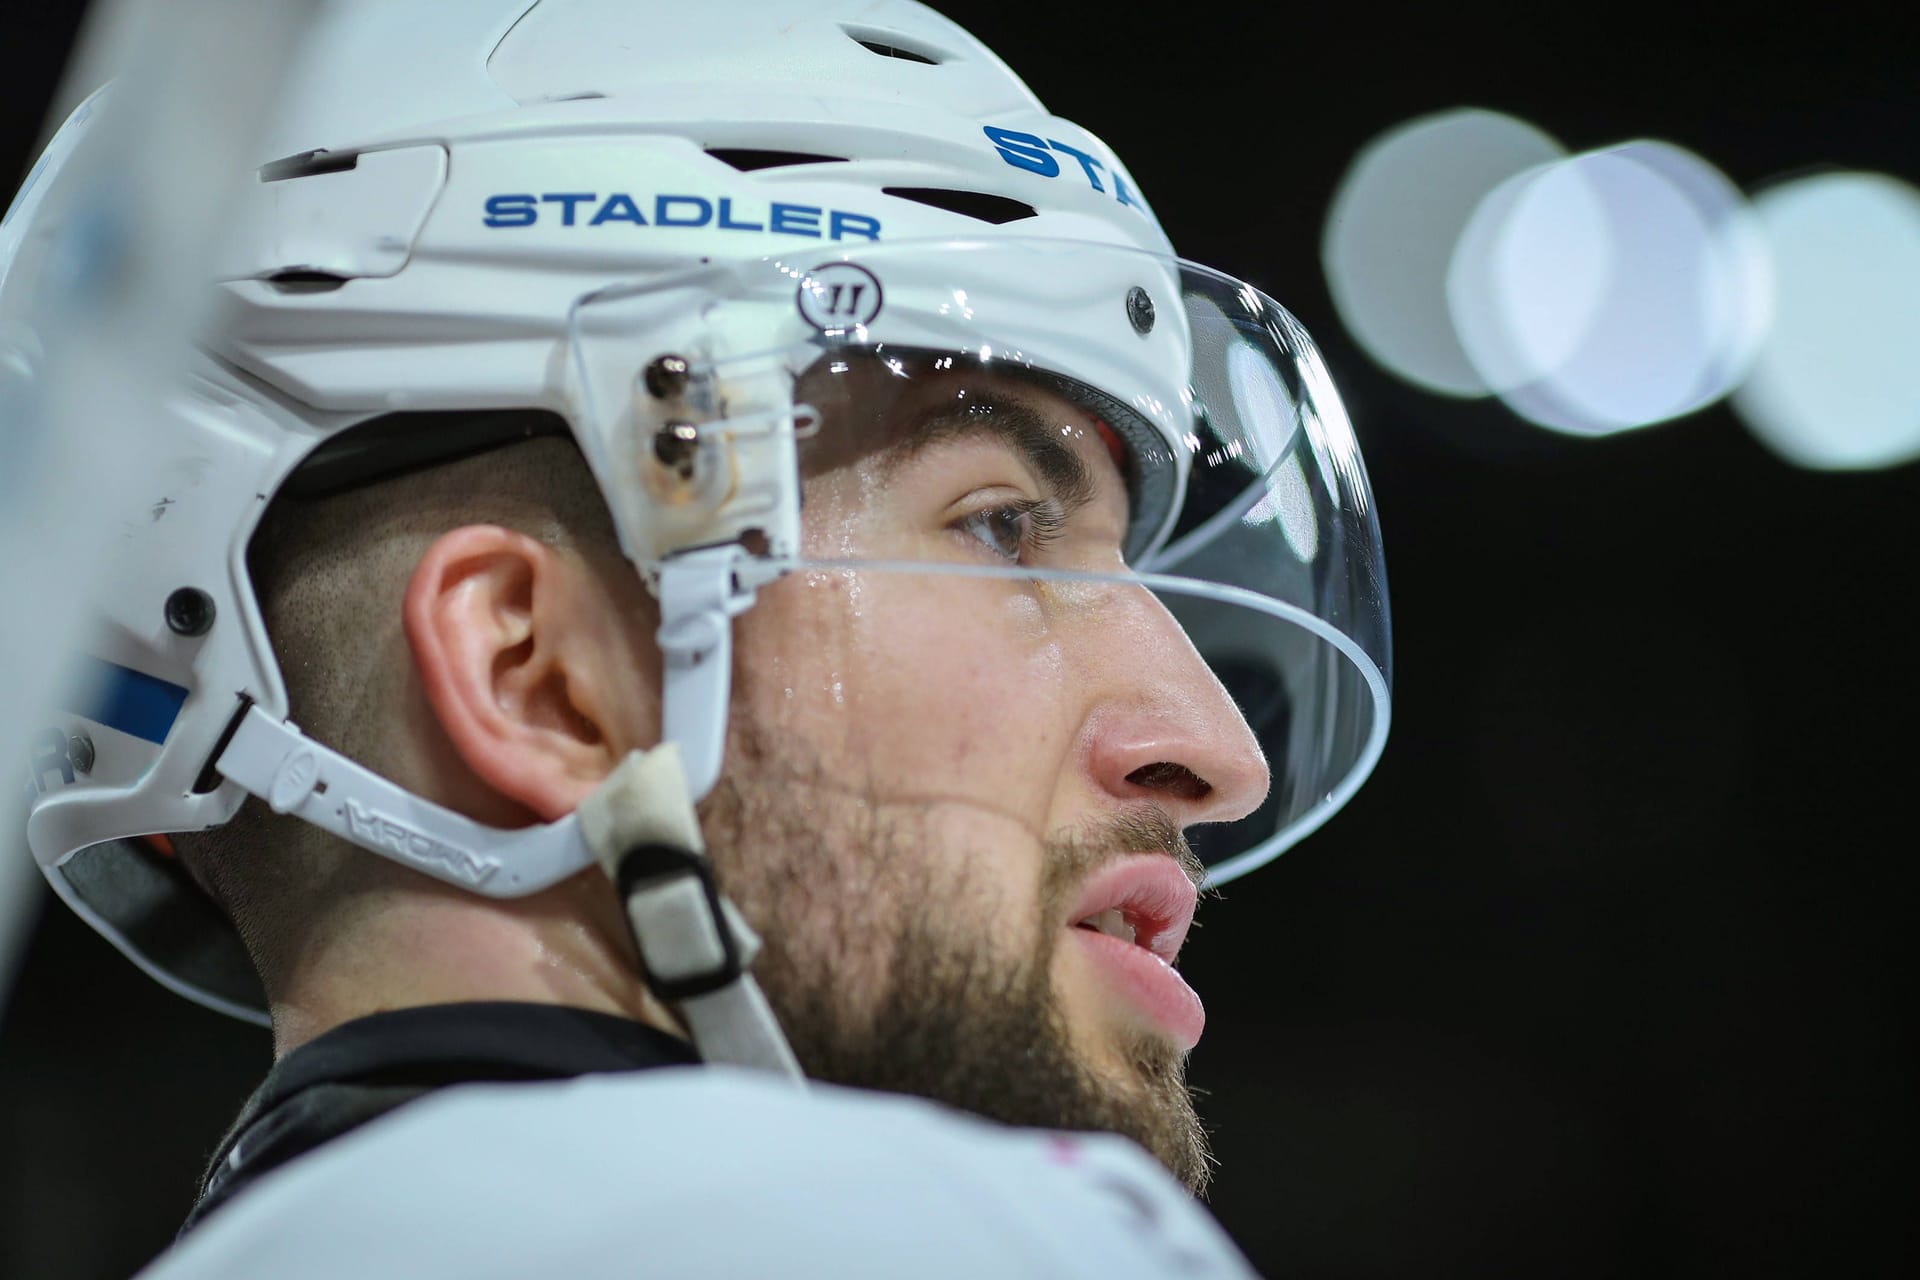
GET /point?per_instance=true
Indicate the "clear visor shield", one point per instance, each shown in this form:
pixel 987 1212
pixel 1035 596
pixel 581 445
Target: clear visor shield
pixel 1077 530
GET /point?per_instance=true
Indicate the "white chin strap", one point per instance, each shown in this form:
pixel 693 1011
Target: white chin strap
pixel 695 948
pixel 639 825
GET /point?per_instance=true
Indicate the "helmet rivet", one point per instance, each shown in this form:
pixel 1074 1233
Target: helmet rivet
pixel 675 446
pixel 1140 310
pixel 667 377
pixel 189 612
pixel 80 752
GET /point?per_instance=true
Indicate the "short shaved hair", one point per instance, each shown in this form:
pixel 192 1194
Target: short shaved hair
pixel 330 574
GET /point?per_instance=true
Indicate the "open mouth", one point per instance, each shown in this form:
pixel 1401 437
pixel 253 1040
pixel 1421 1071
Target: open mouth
pixel 1133 918
pixel 1144 899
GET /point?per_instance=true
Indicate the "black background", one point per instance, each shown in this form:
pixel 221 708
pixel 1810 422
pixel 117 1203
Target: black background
pixel 1599 974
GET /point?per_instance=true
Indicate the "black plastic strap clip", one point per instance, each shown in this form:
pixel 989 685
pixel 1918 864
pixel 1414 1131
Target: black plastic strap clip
pixel 645 863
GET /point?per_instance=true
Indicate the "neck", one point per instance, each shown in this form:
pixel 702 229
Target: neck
pixel 423 943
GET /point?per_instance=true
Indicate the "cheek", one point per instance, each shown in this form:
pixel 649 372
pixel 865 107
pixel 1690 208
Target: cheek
pixel 914 686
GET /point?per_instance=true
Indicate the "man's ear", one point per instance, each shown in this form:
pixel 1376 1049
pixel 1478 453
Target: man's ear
pixel 529 663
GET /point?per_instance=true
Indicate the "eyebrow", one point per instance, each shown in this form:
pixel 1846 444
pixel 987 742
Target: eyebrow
pixel 1039 442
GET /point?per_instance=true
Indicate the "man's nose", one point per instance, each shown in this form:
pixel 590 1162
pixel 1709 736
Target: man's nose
pixel 1164 728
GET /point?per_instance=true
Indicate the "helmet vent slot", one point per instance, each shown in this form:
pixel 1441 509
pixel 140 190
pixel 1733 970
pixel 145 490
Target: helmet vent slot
pixel 308 164
pixel 746 159
pixel 889 44
pixel 972 204
pixel 305 281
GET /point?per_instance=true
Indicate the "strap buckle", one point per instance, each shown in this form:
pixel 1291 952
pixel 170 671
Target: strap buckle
pixel 685 951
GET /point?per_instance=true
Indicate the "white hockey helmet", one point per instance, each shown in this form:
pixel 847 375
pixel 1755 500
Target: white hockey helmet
pixel 645 227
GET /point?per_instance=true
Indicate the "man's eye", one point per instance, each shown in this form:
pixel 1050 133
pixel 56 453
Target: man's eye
pixel 1015 531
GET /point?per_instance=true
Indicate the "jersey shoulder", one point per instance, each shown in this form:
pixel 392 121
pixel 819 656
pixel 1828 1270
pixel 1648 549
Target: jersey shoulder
pixel 705 1171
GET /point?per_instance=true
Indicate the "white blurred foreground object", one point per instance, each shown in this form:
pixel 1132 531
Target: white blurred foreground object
pixel 102 293
pixel 1836 385
pixel 640 1174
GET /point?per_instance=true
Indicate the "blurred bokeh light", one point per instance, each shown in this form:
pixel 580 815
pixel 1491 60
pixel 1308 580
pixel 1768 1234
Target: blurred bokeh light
pixel 1611 290
pixel 1390 235
pixel 1837 383
pixel 1629 285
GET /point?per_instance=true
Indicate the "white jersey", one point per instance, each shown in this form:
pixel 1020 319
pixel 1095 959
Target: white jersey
pixel 708 1172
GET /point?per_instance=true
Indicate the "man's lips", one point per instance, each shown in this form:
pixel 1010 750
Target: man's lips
pixel 1155 897
pixel 1152 891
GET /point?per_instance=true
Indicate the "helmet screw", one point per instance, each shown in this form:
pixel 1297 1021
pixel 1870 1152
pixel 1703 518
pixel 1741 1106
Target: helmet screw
pixel 80 753
pixel 1140 310
pixel 674 447
pixel 667 377
pixel 190 612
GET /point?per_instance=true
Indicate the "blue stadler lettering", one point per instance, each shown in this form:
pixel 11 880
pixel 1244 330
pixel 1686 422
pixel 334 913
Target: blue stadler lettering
pixel 675 210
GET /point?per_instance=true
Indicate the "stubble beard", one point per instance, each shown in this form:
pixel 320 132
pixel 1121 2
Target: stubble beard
pixel 883 980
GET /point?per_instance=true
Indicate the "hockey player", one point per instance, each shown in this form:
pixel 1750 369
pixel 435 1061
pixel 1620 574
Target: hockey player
pixel 713 537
